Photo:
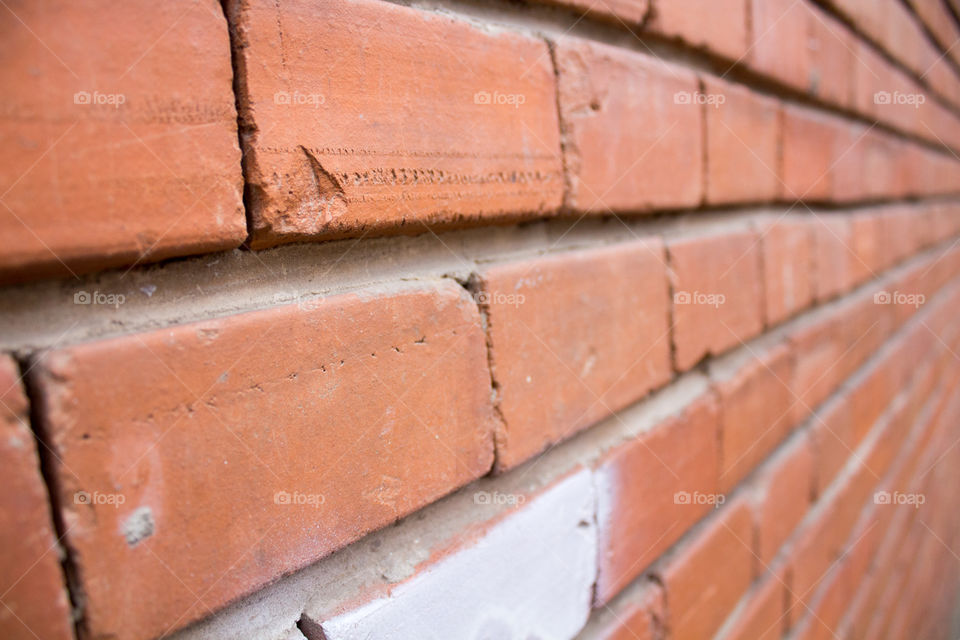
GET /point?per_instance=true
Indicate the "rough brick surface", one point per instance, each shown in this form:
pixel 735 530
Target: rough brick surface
pixel 621 12
pixel 756 408
pixel 343 136
pixel 743 132
pixel 762 616
pixel 778 26
pixel 692 374
pixel 613 164
pixel 786 489
pixel 720 26
pixel 652 490
pixel 558 365
pixel 787 256
pixel 717 293
pixel 34 597
pixel 707 577
pixel 808 154
pixel 145 88
pixel 247 447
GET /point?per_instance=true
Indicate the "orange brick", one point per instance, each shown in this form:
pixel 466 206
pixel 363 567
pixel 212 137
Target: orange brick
pixel 706 578
pixel 937 18
pixel 756 408
pixel 652 490
pixel 637 615
pixel 573 338
pixel 716 293
pixel 613 164
pixel 785 490
pixel 831 58
pixel 762 616
pixel 832 255
pixel 247 447
pixel 719 26
pixel 620 12
pixel 866 244
pixel 787 246
pixel 742 139
pixel 832 436
pixel 344 131
pixel 817 354
pixel 34 598
pixel 868 400
pixel 121 147
pixel 850 150
pixel 808 154
pixel 780 41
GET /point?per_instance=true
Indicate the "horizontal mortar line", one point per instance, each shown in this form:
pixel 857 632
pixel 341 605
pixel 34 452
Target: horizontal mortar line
pixel 932 38
pixel 548 21
pixel 744 487
pixel 837 14
pixel 38 315
pixel 581 450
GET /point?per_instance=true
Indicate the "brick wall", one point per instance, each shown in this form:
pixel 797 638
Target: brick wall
pixel 348 319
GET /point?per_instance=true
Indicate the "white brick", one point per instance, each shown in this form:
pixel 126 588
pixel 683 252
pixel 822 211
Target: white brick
pixel 529 576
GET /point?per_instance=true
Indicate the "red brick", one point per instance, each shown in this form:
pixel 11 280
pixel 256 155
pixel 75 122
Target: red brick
pixel 573 338
pixel 780 41
pixel 34 598
pixel 719 26
pixel 817 352
pixel 787 246
pixel 612 163
pixel 756 408
pixel 641 507
pixel 637 615
pixel 866 245
pixel 937 18
pixel 832 255
pixel 725 264
pixel 879 170
pixel 742 138
pixel 809 139
pixel 762 616
pixel 863 326
pixel 850 150
pixel 832 438
pixel 379 402
pixel 621 12
pixel 830 47
pixel 67 203
pixel 706 578
pixel 868 400
pixel 345 130
pixel 784 498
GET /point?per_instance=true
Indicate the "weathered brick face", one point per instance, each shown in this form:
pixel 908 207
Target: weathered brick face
pixel 355 319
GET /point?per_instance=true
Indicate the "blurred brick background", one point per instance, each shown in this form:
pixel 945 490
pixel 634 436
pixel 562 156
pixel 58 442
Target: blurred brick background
pixel 482 319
